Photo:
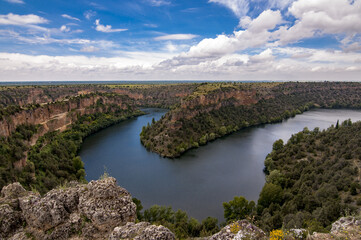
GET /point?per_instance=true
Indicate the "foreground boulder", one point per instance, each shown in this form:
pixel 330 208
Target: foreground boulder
pixel 239 230
pixel 142 230
pixel 97 210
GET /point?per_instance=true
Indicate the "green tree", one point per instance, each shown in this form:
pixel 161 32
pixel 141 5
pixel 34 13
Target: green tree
pixel 278 145
pixel 270 193
pixel 238 208
pixel 139 205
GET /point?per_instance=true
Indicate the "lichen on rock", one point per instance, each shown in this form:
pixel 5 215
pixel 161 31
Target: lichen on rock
pixel 142 230
pixel 79 211
pixel 239 230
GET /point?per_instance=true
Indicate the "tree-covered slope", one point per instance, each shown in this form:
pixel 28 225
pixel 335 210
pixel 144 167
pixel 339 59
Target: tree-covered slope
pixel 216 109
pixel 313 179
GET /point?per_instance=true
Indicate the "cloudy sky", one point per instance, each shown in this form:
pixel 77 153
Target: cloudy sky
pixel 180 40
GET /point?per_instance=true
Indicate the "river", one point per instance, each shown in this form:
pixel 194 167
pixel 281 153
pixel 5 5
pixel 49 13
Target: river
pixel 202 179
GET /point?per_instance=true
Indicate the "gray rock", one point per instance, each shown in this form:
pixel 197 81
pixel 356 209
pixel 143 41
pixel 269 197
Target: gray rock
pixel 345 223
pixel 106 204
pixel 239 230
pixel 10 220
pixel 142 230
pixel 13 190
pixel 79 211
pixel 43 213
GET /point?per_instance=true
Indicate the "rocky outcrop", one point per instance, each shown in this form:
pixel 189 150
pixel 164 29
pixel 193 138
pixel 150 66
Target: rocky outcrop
pixel 239 230
pixel 97 210
pixel 344 228
pixel 142 230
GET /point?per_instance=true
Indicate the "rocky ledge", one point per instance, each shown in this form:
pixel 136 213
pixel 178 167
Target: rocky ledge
pixel 97 210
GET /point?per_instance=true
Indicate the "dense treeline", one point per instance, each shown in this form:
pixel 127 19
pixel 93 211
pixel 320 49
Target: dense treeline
pixel 311 181
pixel 177 221
pixel 187 127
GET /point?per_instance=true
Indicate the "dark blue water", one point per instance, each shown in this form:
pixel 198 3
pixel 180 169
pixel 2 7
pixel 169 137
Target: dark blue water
pixel 202 179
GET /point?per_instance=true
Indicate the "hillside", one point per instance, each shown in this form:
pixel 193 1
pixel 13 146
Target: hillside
pixel 218 109
pixel 313 179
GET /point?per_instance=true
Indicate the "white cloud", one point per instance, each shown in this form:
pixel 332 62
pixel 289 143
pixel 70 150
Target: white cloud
pixel 257 34
pixel 322 17
pixel 70 17
pixel 158 3
pixel 239 7
pixel 42 67
pixel 267 20
pixel 107 28
pixel 16 1
pixel 89 49
pixel 21 20
pixel 64 28
pixel 174 48
pixel 270 64
pixel 176 37
pixel 46 39
pixel 89 14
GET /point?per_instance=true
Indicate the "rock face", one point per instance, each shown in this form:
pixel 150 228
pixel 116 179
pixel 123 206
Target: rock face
pixel 142 230
pixel 95 210
pixel 239 230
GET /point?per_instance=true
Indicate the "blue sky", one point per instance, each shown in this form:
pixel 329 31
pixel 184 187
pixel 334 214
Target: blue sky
pixel 180 40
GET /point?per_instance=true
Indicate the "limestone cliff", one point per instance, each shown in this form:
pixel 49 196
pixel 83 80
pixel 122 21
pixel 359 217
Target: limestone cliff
pixel 57 115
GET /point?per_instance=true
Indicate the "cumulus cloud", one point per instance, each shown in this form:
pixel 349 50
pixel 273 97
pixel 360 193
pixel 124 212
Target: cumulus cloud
pixel 257 34
pixel 107 28
pixel 21 20
pixel 322 17
pixel 70 17
pixel 176 37
pixel 15 1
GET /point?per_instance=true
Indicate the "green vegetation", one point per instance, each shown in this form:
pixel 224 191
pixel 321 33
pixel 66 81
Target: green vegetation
pixel 177 221
pixel 311 181
pixel 55 154
pixel 53 159
pixel 11 151
pixel 215 110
